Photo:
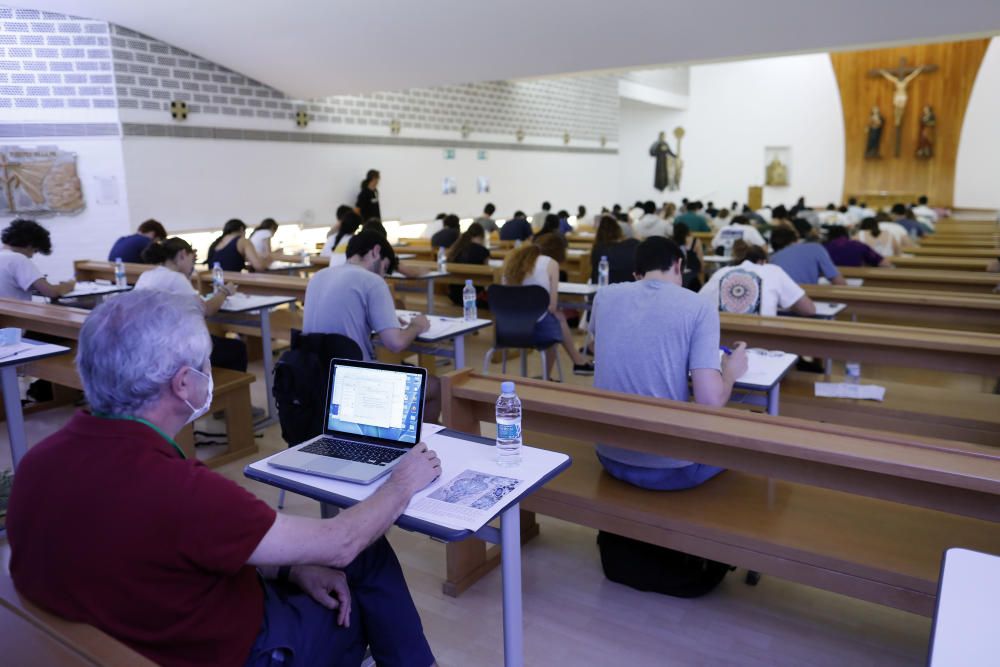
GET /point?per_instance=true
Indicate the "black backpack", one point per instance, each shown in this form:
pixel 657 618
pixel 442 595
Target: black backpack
pixel 300 382
pixel 647 567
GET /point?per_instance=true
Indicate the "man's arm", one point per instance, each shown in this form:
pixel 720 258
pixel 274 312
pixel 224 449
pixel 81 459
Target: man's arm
pixel 398 339
pixel 336 542
pixel 712 387
pixel 47 289
pixel 804 306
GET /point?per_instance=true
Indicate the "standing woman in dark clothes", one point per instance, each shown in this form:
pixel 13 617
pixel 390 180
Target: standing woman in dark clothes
pixel 233 251
pixel 368 204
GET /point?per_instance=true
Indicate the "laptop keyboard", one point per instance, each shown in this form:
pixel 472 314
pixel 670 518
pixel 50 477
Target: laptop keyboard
pixel 353 451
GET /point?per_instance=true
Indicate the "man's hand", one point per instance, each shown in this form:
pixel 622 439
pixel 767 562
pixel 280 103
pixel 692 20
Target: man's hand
pixel 230 288
pixel 416 469
pixel 67 286
pixel 735 365
pixel 327 586
pixel 420 323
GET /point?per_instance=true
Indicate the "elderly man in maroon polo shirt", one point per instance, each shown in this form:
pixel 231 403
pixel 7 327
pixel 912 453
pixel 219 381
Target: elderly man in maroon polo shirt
pixel 110 525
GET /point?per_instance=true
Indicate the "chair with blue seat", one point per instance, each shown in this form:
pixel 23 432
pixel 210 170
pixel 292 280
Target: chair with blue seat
pixel 516 311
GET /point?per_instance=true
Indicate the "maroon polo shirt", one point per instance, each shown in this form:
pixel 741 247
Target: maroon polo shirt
pixel 109 526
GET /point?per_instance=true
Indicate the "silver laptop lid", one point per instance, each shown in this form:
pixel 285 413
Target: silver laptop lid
pixel 380 403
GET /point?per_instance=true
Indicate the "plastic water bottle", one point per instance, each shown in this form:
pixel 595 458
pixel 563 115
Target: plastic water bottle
pixel 469 302
pixel 442 259
pixel 852 372
pixel 120 280
pixel 603 272
pixel 508 426
pixel 218 279
pixel 517 244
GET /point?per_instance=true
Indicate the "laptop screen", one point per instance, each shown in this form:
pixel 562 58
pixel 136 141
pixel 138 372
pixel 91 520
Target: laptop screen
pixel 380 402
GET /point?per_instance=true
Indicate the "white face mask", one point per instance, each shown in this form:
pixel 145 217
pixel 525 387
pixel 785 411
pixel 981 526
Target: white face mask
pixel 198 412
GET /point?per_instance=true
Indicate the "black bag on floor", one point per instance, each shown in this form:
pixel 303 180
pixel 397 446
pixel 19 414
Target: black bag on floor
pixel 647 567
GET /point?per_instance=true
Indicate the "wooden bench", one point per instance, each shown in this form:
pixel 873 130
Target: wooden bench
pixel 973 282
pixel 861 513
pixel 940 263
pixel 32 636
pixel 89 269
pixel 955 251
pixel 937 309
pixel 988 241
pixel 231 393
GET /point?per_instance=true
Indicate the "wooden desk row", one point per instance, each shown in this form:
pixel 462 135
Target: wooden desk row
pixel 971 282
pixel 862 513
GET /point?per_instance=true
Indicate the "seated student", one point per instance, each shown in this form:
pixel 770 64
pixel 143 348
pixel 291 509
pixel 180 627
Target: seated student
pixel 693 256
pixel 721 220
pixel 564 226
pixel 611 243
pixel 516 229
pixel 778 291
pixel 739 229
pixel 803 262
pixel 233 251
pixel 693 218
pixel 18 274
pixel 202 565
pixel 260 239
pixel 903 217
pixel 925 213
pixel 649 336
pixel 486 220
pixel 581 217
pixel 538 264
pixel 448 234
pixel 353 300
pixel 882 241
pixel 175 263
pixel 650 224
pixel 129 248
pixel 469 249
pixel 550 226
pixel 336 244
pixel 334 231
pixel 845 251
pixel 538 219
pixel 896 230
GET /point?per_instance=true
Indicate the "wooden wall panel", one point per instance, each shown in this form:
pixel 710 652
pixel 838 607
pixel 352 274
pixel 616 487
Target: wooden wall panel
pixel 947 90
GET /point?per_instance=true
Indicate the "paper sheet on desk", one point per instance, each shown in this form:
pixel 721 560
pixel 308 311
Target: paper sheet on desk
pixel 16 348
pixel 440 326
pixel 869 392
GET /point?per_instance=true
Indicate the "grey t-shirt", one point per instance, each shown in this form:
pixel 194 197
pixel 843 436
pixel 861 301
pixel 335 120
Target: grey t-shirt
pixel 649 334
pixel 489 224
pixel 351 301
pixel 805 262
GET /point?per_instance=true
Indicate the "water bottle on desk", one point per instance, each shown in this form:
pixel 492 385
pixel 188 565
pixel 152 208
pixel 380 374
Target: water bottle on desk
pixel 508 426
pixel 218 278
pixel 852 372
pixel 469 302
pixel 442 259
pixel 120 280
pixel 603 272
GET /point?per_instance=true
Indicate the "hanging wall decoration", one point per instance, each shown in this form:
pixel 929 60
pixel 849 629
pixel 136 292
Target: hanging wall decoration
pixel 179 110
pixel 38 181
pixel 302 118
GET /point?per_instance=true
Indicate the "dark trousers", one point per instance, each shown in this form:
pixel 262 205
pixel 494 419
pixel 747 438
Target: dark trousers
pixel 297 631
pixel 229 353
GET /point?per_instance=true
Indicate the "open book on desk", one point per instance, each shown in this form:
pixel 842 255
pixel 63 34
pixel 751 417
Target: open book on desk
pixel 472 489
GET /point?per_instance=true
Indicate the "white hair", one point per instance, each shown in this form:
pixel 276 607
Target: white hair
pixel 132 345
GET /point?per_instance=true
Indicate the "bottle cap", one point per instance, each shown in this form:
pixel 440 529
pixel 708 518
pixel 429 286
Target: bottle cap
pixel 468 281
pixel 604 258
pixel 507 387
pixel 118 259
pixel 217 265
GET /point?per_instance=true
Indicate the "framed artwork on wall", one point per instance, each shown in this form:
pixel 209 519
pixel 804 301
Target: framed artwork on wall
pixel 777 161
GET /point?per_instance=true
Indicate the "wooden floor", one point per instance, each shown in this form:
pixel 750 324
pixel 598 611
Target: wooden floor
pixel 574 616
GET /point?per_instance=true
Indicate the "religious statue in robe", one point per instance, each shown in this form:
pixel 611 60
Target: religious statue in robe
pixel 875 125
pixel 777 173
pixel 925 141
pixel 661 151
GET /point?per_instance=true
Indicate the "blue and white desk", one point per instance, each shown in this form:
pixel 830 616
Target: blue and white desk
pixel 765 371
pixel 443 329
pixel 968 601
pixel 28 351
pixel 458 452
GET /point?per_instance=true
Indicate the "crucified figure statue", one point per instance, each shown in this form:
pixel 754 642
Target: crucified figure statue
pixel 899 98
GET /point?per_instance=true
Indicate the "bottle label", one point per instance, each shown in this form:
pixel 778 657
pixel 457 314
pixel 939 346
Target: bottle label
pixel 510 431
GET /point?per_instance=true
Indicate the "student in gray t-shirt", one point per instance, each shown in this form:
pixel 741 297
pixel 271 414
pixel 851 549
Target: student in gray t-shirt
pixel 648 336
pixel 486 219
pixel 803 262
pixel 353 300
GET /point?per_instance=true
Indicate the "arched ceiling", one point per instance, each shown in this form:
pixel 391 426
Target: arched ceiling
pixel 316 48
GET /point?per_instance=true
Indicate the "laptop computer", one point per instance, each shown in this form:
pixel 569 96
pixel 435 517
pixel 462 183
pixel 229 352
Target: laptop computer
pixel 373 416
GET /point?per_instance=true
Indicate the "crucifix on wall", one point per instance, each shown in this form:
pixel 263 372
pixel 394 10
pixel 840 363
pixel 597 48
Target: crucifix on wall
pixel 900 77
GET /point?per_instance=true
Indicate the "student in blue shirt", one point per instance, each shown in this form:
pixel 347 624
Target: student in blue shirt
pixel 803 262
pixel 129 248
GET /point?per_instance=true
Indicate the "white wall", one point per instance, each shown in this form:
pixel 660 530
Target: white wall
pixel 736 109
pixel 977 169
pixel 90 233
pixel 200 183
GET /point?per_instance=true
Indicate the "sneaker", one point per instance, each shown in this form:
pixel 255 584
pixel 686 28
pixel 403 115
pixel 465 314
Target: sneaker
pixel 257 413
pixel 583 369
